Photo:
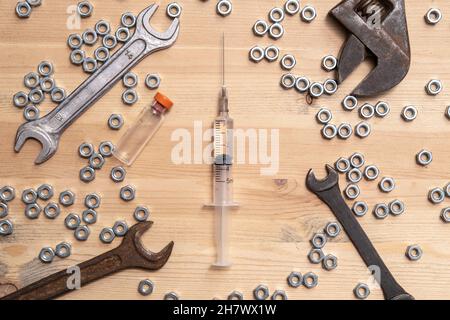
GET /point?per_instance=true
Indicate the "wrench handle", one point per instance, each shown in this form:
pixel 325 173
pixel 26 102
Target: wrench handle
pixel 97 85
pixel 334 200
pixel 57 284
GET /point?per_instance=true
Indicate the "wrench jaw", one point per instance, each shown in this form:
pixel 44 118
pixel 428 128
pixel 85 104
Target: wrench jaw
pixel 158 40
pixel 48 141
pixel 404 296
pixel 316 186
pixel 143 258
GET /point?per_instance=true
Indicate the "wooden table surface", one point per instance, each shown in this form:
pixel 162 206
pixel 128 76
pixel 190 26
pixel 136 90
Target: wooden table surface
pixel 278 216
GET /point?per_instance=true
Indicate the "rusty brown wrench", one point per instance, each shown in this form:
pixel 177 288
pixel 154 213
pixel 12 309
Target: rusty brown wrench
pixel 377 27
pixel 329 192
pixel 129 255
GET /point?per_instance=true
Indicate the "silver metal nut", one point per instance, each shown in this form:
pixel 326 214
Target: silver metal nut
pixel 287 81
pixel 352 192
pixel 342 165
pixel 45 69
pixel 87 174
pixel 153 81
pixel 63 250
pixel 130 80
pixel 387 184
pixel 436 195
pixel 345 131
pixel 360 208
pixel 82 233
pixel 271 53
pixel 332 229
pixel 123 34
pixel 128 20
pixel 67 198
pixel 279 295
pixel 382 109
pixel 32 211
pixel 316 256
pixel 330 262
pixel 127 193
pixel 141 214
pixel 316 90
pixel 31 80
pixel 85 9
pixel 106 149
pixel 367 111
pixel 130 97
pixel 4 210
pixel 310 280
pixel 120 228
pixel 47 255
pixel 75 41
pixel 52 210
pixel 77 57
pixel 115 122
pixel 109 41
pixel 330 86
pixel 90 65
pixel 107 235
pixel 363 130
pixel 86 150
pixel 45 192
pixel 36 96
pixel 329 131
pixel 256 54
pixel 102 28
pixel 295 279
pixel 381 211
pixel 414 252
pixel 58 95
pixel 288 62
pixel 31 113
pixel 329 63
pixel 357 160
pixel 171 296
pixel 324 116
pixel 396 207
pixel 235 295
pixel 23 10
pixel 445 215
pixel 29 196
pixel 6 228
pixel 260 28
pixel 118 174
pixel 261 292
pixel 276 15
pixel 350 103
pixel 409 113
pixel 102 54
pixel 433 16
pixel 96 161
pixel 72 221
pixel 308 14
pixel 276 31
pixel 292 7
pixel 20 99
pixel 424 158
pixel 89 216
pixel 146 287
pixel 302 84
pixel 7 194
pixel 361 291
pixel 224 8
pixel 434 87
pixel 371 172
pixel 173 10
pixel 92 201
pixel 319 240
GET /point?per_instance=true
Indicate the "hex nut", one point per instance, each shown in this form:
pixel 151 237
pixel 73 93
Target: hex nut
pixel 89 216
pixel 123 34
pixel 342 165
pixel 82 233
pixel 47 255
pixel 128 193
pixel 173 10
pixel 20 99
pixel 295 279
pixel 4 210
pixel 130 97
pixel 316 256
pixel 7 194
pixel 72 221
pixel 52 210
pixel 106 149
pixel 171 296
pixel 436 196
pixel 87 174
pixel 32 211
pixel 45 192
pixel 146 287
pixel 354 175
pixel 396 207
pixel 330 262
pixel 63 250
pixel 36 96
pixel 424 158
pixel 371 173
pixel 357 160
pixel 360 208
pixel 90 65
pixel 141 214
pixel 333 229
pixel 352 192
pixel 77 57
pixel 224 8
pixel 92 201
pixel 256 54
pixel 29 196
pixel 75 41
pixel 345 131
pixel 279 295
pixel 6 228
pixel 236 295
pixel 31 80
pixel 387 184
pixel 86 150
pixel 414 252
pixel 447 190
pixel 85 9
pixel 102 28
pixel 261 292
pixel 381 211
pixel 128 20
pixel 310 280
pixel 67 198
pixel 363 129
pixel 361 291
pixel 23 9
pixel 118 174
pixel 319 240
pixel 96 161
pixel 120 228
pixel 107 235
pixel 153 81
pixel 115 122
pixel 445 215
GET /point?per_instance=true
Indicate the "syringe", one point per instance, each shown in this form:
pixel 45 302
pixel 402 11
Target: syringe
pixel 223 178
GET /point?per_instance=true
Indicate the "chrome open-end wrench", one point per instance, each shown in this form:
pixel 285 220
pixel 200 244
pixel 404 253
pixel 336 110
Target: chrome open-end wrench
pixel 129 255
pixel 329 192
pixel 145 41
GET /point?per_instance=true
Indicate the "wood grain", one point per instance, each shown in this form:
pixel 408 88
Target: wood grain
pixel 278 216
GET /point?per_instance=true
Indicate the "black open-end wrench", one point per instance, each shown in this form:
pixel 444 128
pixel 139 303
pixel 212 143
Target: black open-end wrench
pixel 329 192
pixel 129 255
